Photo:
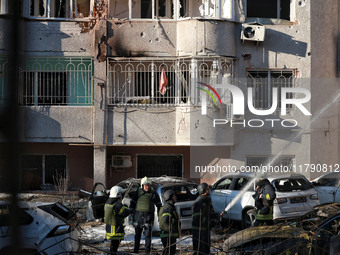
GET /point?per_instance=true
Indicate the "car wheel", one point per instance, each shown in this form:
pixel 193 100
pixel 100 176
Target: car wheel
pixel 248 218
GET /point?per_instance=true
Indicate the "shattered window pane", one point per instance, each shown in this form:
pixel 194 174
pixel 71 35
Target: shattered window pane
pixel 287 185
pixel 224 184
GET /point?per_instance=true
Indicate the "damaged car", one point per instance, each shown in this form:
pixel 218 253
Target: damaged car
pixel 45 228
pixel 328 187
pixel 317 232
pixel 186 192
pixel 295 196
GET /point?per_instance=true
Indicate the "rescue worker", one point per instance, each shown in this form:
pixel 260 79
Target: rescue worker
pixel 115 212
pixel 264 199
pixel 203 218
pixel 143 204
pixel 168 223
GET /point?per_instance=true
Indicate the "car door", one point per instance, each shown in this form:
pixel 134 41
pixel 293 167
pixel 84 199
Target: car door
pixel 328 190
pixel 238 198
pixel 220 192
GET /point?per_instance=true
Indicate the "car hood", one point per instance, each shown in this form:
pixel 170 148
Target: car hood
pixel 255 233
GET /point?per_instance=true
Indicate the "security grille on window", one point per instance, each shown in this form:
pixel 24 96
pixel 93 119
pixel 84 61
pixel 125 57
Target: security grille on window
pixel 56 81
pixel 263 83
pixel 59 8
pixel 282 161
pixel 278 9
pixel 163 82
pixel 158 165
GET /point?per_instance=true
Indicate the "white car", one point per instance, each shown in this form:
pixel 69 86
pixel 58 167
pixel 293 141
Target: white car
pixel 295 196
pixel 328 187
pixel 45 228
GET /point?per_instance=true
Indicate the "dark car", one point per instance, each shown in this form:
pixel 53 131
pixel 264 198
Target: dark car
pixel 317 232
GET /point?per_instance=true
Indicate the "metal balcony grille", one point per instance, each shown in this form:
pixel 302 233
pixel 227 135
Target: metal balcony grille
pixel 263 83
pixel 137 82
pixel 56 81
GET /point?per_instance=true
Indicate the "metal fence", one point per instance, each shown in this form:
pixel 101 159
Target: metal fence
pixel 140 82
pixel 56 81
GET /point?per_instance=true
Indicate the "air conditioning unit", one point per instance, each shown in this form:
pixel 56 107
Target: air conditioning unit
pixel 253 32
pixel 121 161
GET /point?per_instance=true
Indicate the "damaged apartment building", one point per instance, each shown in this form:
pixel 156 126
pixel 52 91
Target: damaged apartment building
pixel 112 89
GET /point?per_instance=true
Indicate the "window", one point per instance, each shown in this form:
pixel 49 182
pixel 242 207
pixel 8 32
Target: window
pixel 59 8
pixel 158 165
pixel 171 9
pixel 263 83
pixel 278 9
pixel 240 183
pixel 137 83
pixel 224 184
pixel 40 170
pixel 282 161
pixel 56 81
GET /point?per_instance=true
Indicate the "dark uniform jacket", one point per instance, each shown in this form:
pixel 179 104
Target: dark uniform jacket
pixel 203 213
pixel 143 204
pixel 168 220
pixel 264 205
pixel 115 212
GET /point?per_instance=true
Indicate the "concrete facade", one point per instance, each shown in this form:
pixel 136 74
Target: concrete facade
pixel 93 133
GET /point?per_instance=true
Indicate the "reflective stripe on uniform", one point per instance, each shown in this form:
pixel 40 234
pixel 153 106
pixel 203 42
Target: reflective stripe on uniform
pixel 265 217
pixel 113 235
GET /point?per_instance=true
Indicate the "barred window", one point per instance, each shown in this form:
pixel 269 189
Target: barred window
pixel 140 82
pixel 263 83
pixel 59 8
pixel 56 81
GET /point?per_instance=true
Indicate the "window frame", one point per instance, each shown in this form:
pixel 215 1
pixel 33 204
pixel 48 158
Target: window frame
pixel 174 9
pixel 43 166
pixel 263 87
pixel 279 11
pixel 78 72
pixel 278 162
pixel 71 13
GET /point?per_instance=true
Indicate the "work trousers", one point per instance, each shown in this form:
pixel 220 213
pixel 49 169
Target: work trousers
pixel 169 247
pixel 147 234
pixel 201 241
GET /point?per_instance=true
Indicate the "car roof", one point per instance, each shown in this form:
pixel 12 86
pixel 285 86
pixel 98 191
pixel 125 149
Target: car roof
pixel 335 175
pixel 161 180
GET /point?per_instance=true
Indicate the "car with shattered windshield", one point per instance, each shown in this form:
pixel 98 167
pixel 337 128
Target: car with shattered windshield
pixel 295 196
pixel 328 187
pixel 45 228
pixel 316 232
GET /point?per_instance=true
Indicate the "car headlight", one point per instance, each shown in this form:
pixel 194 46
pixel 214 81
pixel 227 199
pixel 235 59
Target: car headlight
pixel 314 197
pixel 60 230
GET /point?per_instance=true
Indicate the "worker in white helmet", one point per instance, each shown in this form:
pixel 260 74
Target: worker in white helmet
pixel 115 212
pixel 143 204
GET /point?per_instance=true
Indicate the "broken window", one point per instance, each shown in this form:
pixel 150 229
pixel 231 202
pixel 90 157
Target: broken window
pixel 38 171
pixel 60 8
pixel 148 9
pixel 278 9
pixel 164 82
pixel 149 83
pixel 56 81
pixel 263 83
pixel 292 184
